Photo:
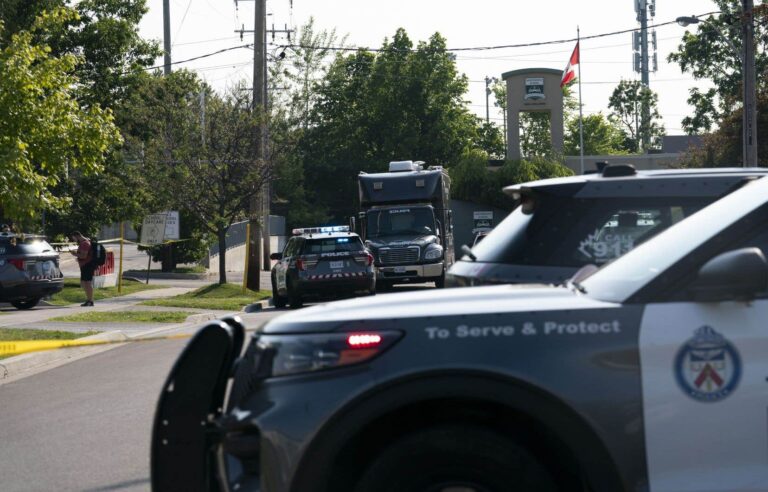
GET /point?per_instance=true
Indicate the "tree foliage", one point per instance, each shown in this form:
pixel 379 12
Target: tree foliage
pixel 473 181
pixel 712 53
pixel 399 103
pixel 601 136
pixel 723 147
pixel 626 103
pixel 208 168
pixel 45 133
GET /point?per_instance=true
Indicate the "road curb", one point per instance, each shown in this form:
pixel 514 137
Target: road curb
pixel 16 365
pixel 258 306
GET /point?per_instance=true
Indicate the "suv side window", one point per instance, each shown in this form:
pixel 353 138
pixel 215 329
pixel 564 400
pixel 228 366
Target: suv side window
pixel 288 251
pixel 672 285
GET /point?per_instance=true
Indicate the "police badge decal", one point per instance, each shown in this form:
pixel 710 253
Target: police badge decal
pixel 708 367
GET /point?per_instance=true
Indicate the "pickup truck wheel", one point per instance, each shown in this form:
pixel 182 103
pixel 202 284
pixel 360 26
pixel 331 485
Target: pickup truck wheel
pixel 294 298
pixel 383 286
pixel 455 458
pixel 26 303
pixel 277 299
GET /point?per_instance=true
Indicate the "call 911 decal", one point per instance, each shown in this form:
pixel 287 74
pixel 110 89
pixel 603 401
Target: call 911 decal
pixel 708 367
pixel 601 247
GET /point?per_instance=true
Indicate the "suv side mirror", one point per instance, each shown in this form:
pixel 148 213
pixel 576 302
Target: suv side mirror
pixel 734 275
pixel 276 256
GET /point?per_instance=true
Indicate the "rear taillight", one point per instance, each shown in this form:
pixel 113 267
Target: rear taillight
pixel 18 264
pixel 366 259
pixel 304 263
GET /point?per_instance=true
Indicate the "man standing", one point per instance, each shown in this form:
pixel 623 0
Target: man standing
pixel 87 266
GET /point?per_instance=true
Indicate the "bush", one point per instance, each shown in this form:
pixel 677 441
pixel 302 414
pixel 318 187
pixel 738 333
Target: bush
pixel 473 181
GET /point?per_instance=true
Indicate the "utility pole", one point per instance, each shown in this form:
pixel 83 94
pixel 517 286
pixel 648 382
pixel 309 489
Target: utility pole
pixel 167 36
pixel 750 103
pixel 642 60
pixel 253 280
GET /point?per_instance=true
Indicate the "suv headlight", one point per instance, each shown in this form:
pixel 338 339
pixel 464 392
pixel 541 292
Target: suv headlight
pixel 294 354
pixel 434 252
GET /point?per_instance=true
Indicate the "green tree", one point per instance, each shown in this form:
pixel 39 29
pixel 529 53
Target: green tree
pixel 474 182
pixel 712 53
pixel 372 108
pixel 626 103
pixel 601 136
pixel 104 34
pixel 45 134
pixel 105 38
pixel 210 172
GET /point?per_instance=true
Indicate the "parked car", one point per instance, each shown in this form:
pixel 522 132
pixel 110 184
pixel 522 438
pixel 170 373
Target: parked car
pixel 650 374
pixel 321 263
pixel 563 224
pixel 29 270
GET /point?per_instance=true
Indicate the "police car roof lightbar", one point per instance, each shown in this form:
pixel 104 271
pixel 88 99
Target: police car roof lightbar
pixel 319 230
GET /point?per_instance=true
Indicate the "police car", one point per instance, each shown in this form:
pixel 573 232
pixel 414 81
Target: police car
pixel 29 270
pixel 650 374
pixel 563 224
pixel 321 263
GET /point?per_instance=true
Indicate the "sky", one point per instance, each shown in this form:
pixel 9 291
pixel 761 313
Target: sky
pixel 199 27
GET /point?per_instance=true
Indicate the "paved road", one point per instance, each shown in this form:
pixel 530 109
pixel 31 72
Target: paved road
pixel 86 425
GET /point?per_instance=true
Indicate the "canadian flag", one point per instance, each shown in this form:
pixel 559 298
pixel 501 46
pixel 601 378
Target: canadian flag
pixel 569 73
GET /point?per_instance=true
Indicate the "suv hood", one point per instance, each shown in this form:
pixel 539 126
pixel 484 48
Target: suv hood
pixel 432 303
pixel 401 241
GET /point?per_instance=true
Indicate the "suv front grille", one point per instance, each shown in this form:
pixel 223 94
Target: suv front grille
pixel 398 256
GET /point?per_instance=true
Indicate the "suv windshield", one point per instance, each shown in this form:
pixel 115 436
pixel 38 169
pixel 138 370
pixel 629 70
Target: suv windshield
pixel 398 221
pixel 332 245
pixel 572 232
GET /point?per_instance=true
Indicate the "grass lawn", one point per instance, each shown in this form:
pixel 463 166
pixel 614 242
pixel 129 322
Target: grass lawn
pixel 126 317
pixel 18 334
pixel 73 293
pixel 227 297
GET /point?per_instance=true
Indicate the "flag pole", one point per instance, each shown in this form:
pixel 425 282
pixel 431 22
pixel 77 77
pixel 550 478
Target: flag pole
pixel 581 118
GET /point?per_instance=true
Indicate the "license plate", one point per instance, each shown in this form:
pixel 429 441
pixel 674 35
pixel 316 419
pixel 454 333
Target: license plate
pixel 400 269
pixel 337 264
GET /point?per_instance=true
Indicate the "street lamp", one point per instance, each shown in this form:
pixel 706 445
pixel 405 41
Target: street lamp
pixel 747 58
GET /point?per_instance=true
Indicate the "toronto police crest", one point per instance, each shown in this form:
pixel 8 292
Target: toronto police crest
pixel 708 366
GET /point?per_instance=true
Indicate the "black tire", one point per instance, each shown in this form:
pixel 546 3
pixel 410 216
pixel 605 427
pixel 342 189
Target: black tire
pixel 294 298
pixel 25 303
pixel 383 286
pixel 440 281
pixel 455 458
pixel 277 299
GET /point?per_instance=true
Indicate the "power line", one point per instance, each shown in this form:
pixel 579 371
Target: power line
pixel 498 47
pixel 478 48
pixel 183 18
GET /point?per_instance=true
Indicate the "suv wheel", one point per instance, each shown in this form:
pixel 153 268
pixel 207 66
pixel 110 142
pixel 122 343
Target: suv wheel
pixel 26 303
pixel 277 299
pixel 294 298
pixel 451 458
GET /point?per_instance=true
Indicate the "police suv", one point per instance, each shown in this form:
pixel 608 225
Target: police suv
pixel 29 270
pixel 562 224
pixel 650 374
pixel 321 263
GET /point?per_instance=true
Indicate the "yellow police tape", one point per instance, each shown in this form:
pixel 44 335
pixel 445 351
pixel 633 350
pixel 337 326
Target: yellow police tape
pixel 11 347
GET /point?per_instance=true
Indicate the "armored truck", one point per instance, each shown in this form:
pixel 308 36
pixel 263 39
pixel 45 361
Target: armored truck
pixel 405 221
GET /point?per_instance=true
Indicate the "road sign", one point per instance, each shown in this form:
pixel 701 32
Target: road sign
pixel 483 219
pixel 153 229
pixel 172 225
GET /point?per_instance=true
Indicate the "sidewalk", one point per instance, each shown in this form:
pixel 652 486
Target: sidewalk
pixel 16 319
